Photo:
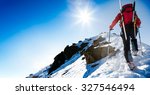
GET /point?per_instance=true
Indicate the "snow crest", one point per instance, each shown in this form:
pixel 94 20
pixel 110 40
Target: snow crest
pixel 113 66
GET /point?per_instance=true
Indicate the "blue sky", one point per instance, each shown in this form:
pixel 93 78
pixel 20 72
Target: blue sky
pixel 32 32
pixel 17 15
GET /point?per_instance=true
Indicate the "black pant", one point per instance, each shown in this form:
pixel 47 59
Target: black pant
pixel 130 37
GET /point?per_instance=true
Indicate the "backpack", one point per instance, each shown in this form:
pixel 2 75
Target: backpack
pixel 124 7
pixel 127 11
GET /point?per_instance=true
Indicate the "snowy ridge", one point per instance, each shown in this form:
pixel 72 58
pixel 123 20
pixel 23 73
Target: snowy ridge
pixel 112 66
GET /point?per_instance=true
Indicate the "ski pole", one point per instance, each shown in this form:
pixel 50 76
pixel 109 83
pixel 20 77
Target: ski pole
pixel 140 42
pixel 123 25
pixel 108 41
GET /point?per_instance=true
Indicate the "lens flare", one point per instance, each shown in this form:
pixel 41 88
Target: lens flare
pixel 84 16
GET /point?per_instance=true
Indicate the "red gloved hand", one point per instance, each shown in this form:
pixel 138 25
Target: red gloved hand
pixel 110 27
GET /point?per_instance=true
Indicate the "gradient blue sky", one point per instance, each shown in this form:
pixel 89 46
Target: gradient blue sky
pixel 32 32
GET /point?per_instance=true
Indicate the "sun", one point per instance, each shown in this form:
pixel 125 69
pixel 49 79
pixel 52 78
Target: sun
pixel 84 16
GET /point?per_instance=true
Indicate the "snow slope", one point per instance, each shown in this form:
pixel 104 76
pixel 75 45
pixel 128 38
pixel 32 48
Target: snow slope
pixel 112 66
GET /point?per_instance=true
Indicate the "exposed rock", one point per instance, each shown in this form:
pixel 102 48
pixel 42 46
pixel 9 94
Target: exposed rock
pixel 32 76
pixel 97 51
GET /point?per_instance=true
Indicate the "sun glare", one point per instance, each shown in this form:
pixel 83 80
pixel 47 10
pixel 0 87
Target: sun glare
pixel 83 16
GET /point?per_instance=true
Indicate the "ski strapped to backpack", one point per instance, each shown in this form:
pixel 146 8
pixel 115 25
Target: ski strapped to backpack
pixel 133 18
pixel 122 20
pixel 134 21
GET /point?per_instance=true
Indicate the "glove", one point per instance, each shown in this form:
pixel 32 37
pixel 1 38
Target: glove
pixel 110 27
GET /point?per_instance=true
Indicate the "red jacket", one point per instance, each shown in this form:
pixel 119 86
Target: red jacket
pixel 127 16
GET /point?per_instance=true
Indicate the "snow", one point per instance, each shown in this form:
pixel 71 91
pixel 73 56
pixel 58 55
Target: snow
pixel 113 66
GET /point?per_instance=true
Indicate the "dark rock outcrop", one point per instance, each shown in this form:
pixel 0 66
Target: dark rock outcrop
pixel 97 51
